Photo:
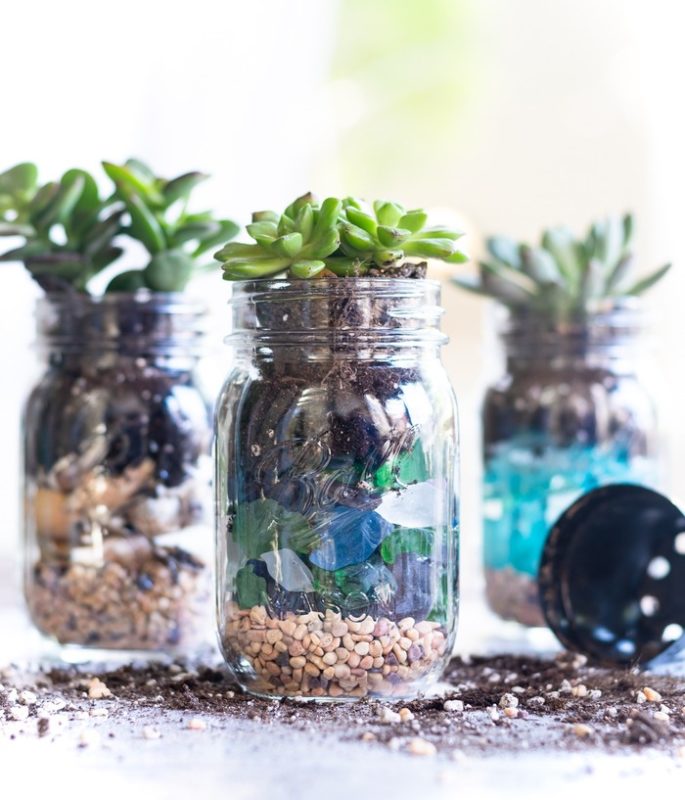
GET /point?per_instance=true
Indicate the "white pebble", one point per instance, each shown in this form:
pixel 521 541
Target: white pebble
pixel 149 732
pixel 28 698
pixel 388 716
pixel 19 713
pixel 453 705
pixel 508 700
pixel 421 747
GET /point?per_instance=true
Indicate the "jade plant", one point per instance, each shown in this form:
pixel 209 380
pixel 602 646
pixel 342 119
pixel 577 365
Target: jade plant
pixel 565 275
pixel 337 238
pixel 69 231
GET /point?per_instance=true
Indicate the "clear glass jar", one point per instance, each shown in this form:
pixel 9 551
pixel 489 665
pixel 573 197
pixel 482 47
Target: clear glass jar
pixel 337 514
pixel 117 473
pixel 570 414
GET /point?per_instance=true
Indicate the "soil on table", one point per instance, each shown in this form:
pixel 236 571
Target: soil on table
pixel 510 704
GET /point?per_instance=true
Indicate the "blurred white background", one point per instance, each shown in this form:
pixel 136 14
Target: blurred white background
pixel 511 115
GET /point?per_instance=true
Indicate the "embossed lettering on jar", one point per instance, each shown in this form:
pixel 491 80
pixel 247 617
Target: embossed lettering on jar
pixel 337 529
pixel 571 413
pixel 116 446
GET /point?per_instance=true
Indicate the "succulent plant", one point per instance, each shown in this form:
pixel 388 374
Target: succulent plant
pixel 156 215
pixel 563 276
pixel 68 230
pixel 336 238
pixel 71 233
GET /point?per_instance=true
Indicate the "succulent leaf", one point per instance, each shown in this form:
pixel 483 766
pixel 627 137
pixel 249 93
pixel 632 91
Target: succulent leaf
pixel 565 276
pixel 343 237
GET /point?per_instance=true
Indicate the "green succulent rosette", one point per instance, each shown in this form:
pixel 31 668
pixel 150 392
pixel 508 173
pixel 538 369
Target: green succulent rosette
pixel 564 276
pixel 337 237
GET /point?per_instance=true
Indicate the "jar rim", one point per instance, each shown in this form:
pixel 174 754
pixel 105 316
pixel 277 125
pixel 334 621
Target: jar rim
pixel 338 313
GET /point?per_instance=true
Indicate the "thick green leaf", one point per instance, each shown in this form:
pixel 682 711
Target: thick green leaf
pixel 101 233
pixel 388 213
pixel 16 229
pixel 505 250
pixel 539 264
pixel 619 274
pixel 306 269
pixel 144 224
pixel 287 246
pixel 646 283
pixel 429 248
pixel 168 271
pixel 357 239
pixel 134 181
pixel 392 237
pixel 568 254
pixel 61 205
pixel 19 181
pixel 414 220
pixel 362 220
pixel 347 267
pixel 305 222
pixel 181 187
pixel 227 230
pixel 193 231
pixel 238 269
pixel 328 215
pixel 129 281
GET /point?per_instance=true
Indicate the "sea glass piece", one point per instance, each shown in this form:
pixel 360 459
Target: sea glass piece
pixel 288 570
pixel 412 507
pixel 350 536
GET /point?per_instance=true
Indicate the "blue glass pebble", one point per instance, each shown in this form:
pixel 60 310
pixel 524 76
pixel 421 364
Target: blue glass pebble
pixel 351 536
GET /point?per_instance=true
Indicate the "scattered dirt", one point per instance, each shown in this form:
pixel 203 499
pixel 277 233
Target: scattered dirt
pixel 510 704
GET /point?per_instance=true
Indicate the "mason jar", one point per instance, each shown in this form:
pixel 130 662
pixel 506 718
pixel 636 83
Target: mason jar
pixel 336 489
pixel 117 472
pixel 571 413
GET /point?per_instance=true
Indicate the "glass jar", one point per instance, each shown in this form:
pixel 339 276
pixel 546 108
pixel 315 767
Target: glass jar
pixel 117 472
pixel 336 482
pixel 569 415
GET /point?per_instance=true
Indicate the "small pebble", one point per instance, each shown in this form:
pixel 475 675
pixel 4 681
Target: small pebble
pixel 508 700
pixel 453 705
pixel 97 690
pixel 662 716
pixel 595 694
pixel 511 712
pixel 581 730
pixel 651 695
pixel 536 701
pixel 43 726
pixel 99 712
pixel 640 697
pixel 406 715
pixel 387 716
pixel 150 732
pixel 197 724
pixel 368 736
pixel 421 747
pixel 580 690
pixel 19 713
pixel 28 698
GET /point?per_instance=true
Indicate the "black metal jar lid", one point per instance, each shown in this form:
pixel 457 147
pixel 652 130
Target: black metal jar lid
pixel 612 575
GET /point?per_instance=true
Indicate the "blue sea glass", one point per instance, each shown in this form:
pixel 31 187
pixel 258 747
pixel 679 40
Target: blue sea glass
pixel 526 488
